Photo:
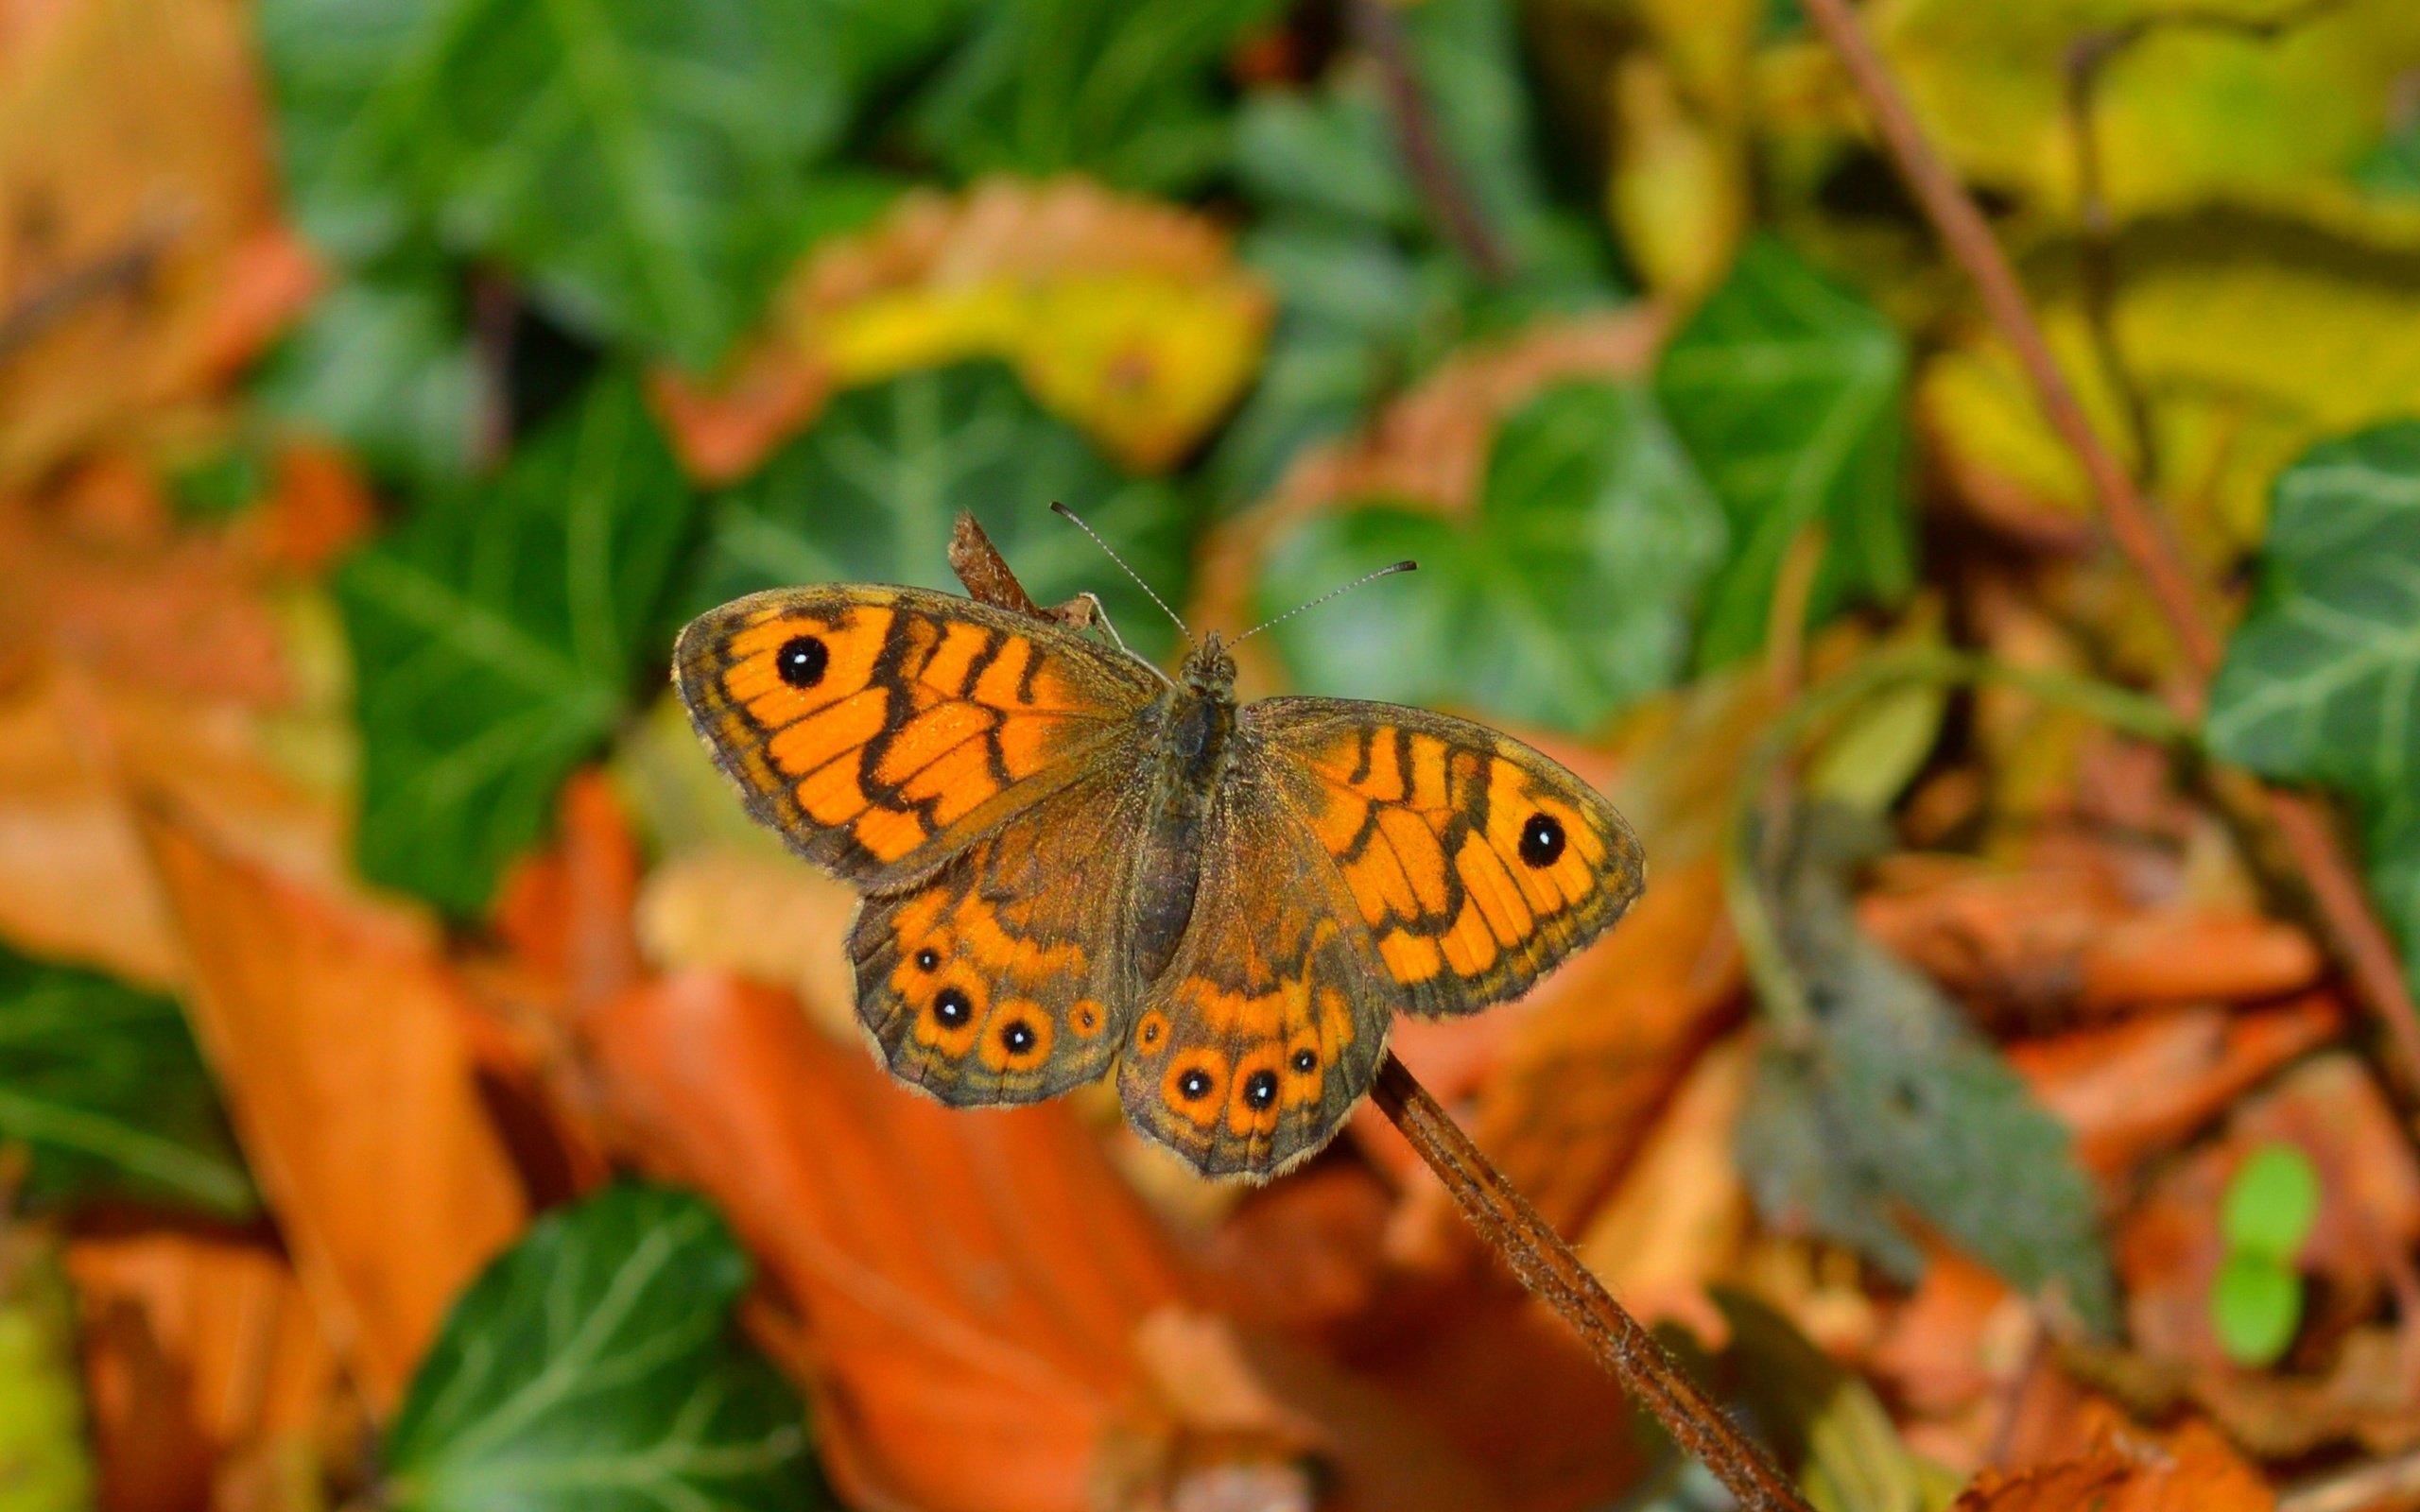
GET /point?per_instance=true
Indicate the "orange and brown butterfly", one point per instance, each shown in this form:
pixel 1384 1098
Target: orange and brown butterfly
pixel 1072 862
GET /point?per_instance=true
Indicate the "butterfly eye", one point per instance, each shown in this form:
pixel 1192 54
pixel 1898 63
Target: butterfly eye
pixel 802 661
pixel 1542 840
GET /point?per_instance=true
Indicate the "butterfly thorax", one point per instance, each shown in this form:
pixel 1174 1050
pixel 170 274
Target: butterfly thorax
pixel 1194 724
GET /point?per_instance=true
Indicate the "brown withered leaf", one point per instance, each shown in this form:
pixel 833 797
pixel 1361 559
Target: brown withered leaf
pixel 143 258
pixel 2131 1469
pixel 2055 944
pixel 2139 1088
pixel 1673 1224
pixel 974 1279
pixel 199 1348
pixel 338 1033
pixel 96 574
pixel 2169 1248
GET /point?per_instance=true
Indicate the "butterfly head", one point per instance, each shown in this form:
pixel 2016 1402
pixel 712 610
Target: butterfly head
pixel 1209 668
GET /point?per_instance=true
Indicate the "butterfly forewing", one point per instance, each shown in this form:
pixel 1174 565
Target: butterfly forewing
pixel 881 730
pixel 1475 863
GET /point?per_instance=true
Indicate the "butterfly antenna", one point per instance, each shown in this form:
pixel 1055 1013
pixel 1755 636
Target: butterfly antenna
pixel 1405 566
pixel 1058 509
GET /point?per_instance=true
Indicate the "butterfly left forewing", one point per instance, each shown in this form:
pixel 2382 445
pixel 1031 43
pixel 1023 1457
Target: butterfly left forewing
pixel 1475 863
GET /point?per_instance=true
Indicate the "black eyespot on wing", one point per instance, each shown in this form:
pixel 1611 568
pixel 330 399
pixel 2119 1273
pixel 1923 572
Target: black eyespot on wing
pixel 1017 1035
pixel 802 661
pixel 953 1007
pixel 1542 840
pixel 1306 1060
pixel 927 959
pixel 1261 1089
pixel 1194 1085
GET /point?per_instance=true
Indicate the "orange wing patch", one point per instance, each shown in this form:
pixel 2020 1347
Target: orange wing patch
pixel 880 729
pixel 1476 862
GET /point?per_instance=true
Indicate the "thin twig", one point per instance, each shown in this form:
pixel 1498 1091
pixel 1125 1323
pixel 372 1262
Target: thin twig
pixel 1375 26
pixel 2350 922
pixel 1504 1218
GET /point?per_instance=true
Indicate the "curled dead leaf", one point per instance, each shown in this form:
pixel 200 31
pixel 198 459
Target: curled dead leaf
pixel 337 1032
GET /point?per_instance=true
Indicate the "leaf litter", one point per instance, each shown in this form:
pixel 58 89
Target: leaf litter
pixel 399 1024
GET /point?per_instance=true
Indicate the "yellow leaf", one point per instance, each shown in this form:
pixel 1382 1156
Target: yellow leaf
pixel 2248 346
pixel 1131 318
pixel 2191 113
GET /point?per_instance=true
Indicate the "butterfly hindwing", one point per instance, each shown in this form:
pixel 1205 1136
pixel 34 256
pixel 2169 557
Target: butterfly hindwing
pixel 1267 1026
pixel 1000 979
pixel 1475 863
pixel 882 729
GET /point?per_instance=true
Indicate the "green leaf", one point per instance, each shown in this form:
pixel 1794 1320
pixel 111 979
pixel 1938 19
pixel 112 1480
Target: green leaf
pixel 2271 1203
pixel 639 164
pixel 2255 1308
pixel 1125 90
pixel 2322 679
pixel 871 493
pixel 1568 597
pixel 496 639
pixel 2392 169
pixel 101 1082
pixel 384 364
pixel 1897 1100
pixel 1369 295
pixel 1789 391
pixel 593 1366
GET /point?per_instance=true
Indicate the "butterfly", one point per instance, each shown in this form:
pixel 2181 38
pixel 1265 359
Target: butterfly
pixel 1072 862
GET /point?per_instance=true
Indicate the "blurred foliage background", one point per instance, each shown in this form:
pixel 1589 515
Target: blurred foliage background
pixel 420 1086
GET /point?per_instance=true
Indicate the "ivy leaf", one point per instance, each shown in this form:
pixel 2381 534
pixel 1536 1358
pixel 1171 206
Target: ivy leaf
pixel 384 364
pixel 639 165
pixel 594 1365
pixel 1789 391
pixel 1898 1101
pixel 496 638
pixel 1566 597
pixel 1124 90
pixel 2322 679
pixel 1370 296
pixel 870 494
pixel 101 1082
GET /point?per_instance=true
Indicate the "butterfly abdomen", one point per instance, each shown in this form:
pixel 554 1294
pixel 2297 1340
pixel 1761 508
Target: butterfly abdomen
pixel 1190 755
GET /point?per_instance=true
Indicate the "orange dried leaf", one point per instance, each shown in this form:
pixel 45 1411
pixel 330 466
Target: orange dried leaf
pixel 337 1037
pixel 2131 1470
pixel 143 257
pixel 2134 1090
pixel 197 1347
pixel 974 1280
